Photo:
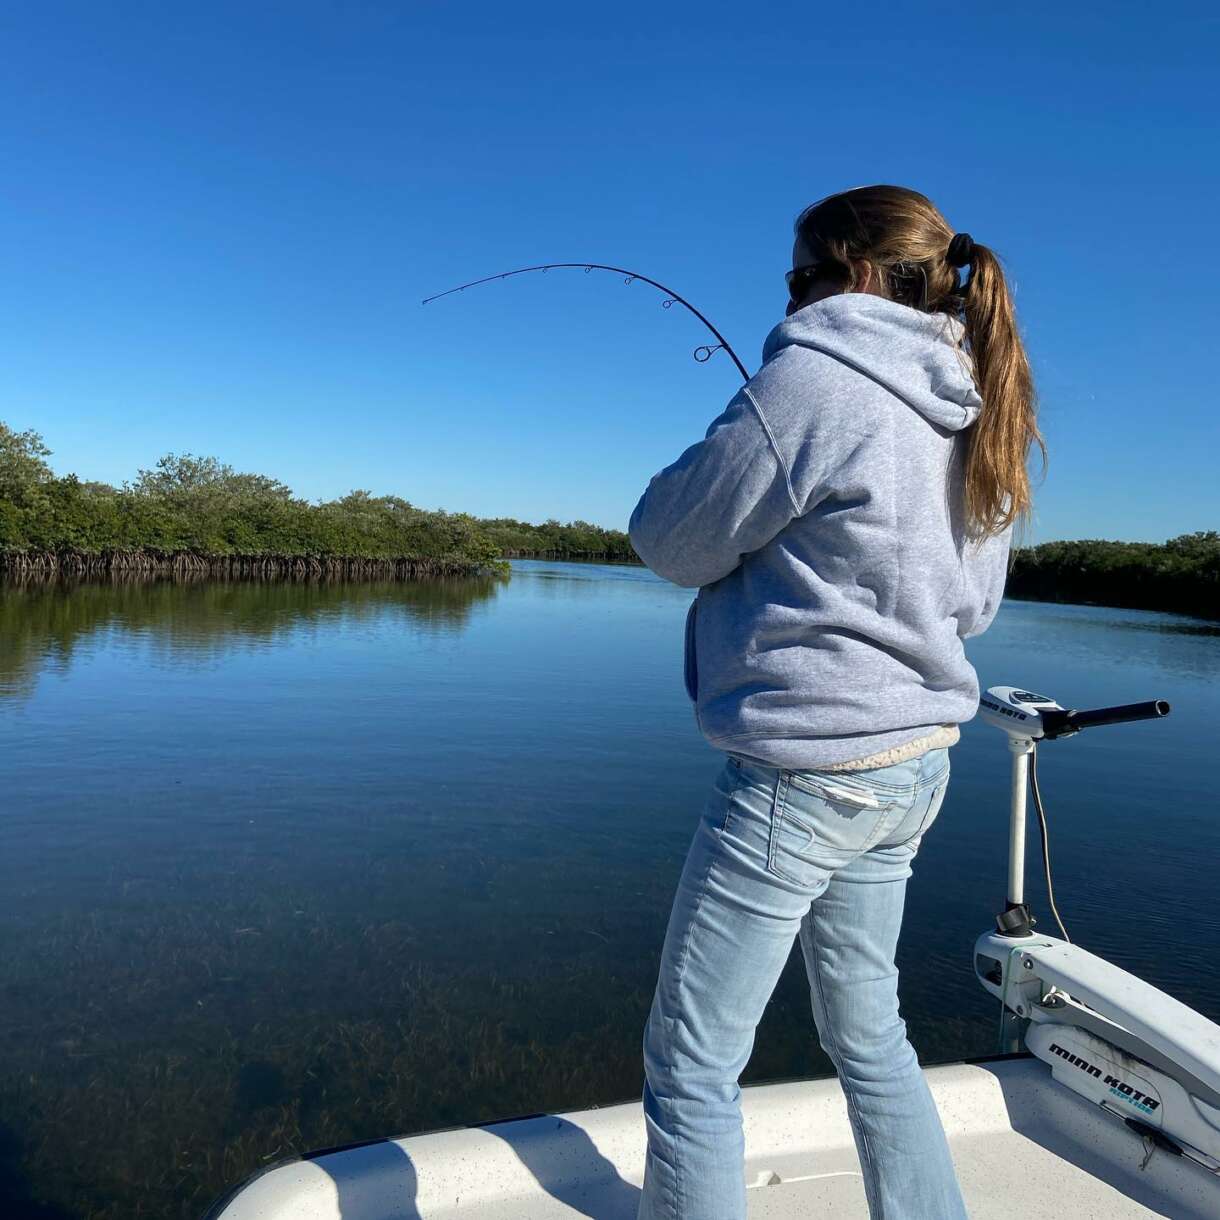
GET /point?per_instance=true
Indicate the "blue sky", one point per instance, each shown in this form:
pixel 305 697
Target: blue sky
pixel 219 221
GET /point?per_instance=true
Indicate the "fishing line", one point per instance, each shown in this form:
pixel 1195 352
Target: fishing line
pixel 702 354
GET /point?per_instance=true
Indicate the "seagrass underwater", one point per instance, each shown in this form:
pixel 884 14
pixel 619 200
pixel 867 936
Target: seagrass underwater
pixel 291 864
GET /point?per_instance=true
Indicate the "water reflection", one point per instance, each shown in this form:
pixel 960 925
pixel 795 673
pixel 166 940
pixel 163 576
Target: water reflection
pixel 43 623
pixel 1108 634
pixel 284 866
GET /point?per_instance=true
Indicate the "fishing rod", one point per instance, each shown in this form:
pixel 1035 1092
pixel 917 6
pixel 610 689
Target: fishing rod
pixel 702 354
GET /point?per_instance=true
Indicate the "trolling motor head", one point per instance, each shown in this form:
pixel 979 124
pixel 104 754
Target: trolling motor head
pixel 1017 712
pixel 1021 713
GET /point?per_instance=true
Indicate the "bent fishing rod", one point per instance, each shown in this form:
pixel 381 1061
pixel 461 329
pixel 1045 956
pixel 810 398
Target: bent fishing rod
pixel 702 354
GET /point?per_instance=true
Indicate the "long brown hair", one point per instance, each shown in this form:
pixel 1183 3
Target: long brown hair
pixel 903 235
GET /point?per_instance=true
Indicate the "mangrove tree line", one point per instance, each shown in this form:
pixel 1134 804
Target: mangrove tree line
pixel 1182 574
pixel 197 514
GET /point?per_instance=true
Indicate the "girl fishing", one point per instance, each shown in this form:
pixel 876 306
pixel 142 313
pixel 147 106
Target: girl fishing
pixel 847 521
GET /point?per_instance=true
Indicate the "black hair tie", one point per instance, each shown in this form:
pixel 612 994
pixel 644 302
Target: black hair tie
pixel 961 250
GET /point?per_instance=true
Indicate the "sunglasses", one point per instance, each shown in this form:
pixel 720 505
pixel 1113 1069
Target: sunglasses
pixel 909 283
pixel 800 280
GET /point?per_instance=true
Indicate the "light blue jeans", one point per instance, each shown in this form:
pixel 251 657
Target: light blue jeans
pixel 824 855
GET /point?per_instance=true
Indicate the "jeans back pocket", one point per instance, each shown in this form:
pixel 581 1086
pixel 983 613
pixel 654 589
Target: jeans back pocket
pixel 925 809
pixel 819 823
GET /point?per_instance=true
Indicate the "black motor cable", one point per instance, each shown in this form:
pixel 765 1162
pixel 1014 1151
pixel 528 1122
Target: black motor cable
pixel 1042 831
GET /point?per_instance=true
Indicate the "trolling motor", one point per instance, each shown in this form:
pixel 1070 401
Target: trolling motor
pixel 1139 1054
pixel 1027 718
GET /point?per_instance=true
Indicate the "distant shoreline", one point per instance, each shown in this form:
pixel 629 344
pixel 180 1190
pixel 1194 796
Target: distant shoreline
pixel 1180 576
pixel 150 563
pixel 1058 584
pixel 188 563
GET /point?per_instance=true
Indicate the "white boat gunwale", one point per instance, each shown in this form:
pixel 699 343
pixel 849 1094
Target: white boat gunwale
pixel 1009 1123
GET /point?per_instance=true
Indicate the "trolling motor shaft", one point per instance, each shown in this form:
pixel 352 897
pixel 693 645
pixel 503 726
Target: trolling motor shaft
pixel 1027 718
pixel 1015 919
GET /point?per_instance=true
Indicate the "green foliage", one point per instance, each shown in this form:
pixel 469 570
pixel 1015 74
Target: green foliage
pixel 190 503
pixel 24 476
pixel 577 539
pixel 1182 574
pixel 200 504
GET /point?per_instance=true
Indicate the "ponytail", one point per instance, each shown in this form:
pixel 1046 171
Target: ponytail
pixel 997 486
pixel 917 254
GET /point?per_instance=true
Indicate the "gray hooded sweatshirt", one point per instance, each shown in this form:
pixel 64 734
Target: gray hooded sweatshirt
pixel 821 519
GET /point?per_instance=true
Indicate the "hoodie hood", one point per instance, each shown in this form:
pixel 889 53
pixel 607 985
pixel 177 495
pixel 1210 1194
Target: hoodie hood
pixel 915 355
pixel 823 525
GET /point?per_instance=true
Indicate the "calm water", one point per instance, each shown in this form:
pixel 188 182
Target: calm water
pixel 287 866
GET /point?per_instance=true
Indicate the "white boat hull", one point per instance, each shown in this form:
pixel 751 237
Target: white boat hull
pixel 1021 1142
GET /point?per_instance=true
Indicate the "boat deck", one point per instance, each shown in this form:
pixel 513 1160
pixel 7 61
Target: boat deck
pixel 1021 1144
